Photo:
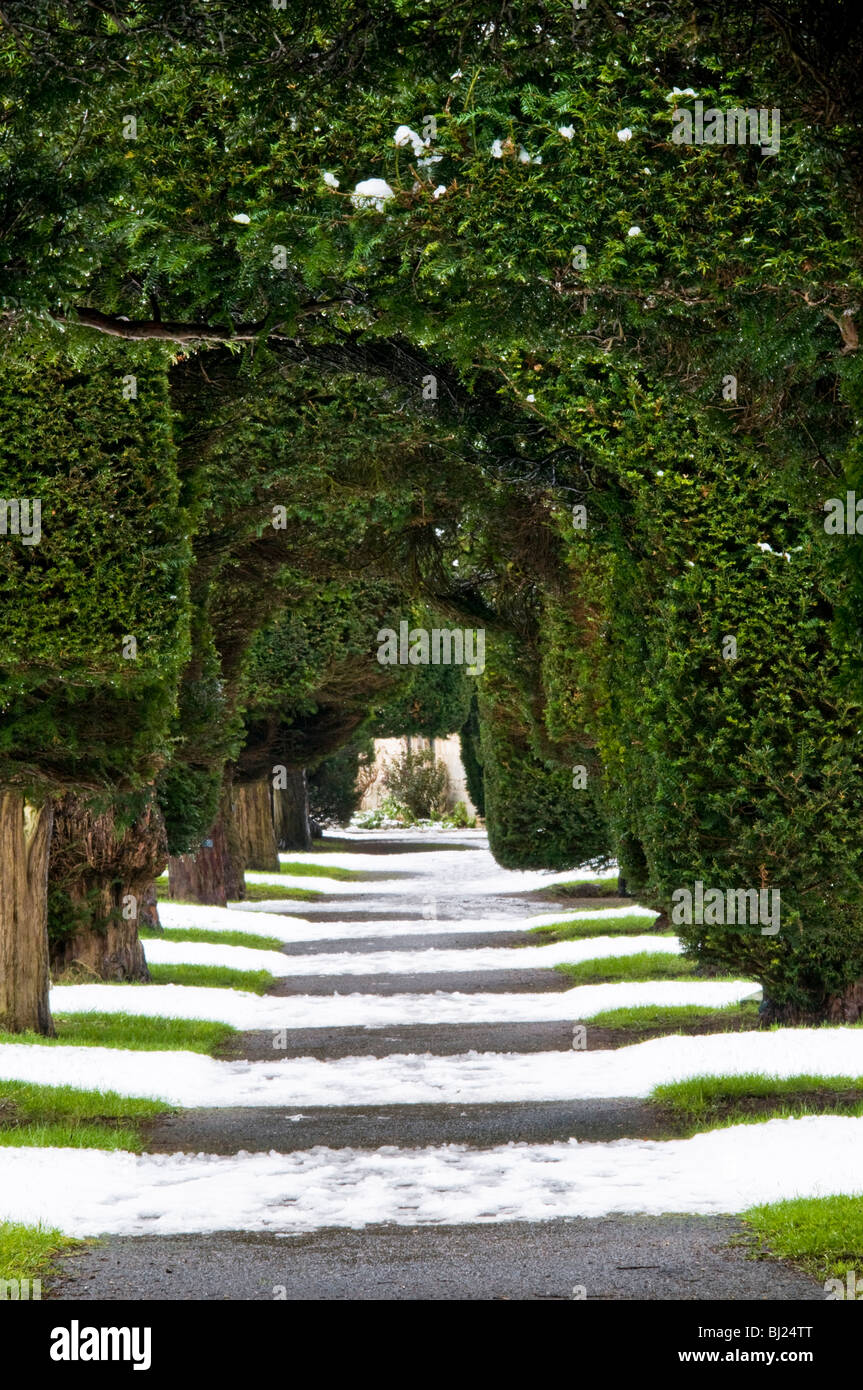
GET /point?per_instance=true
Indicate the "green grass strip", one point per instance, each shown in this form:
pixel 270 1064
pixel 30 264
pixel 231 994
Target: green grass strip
pixel 591 926
pixel 28 1252
pixel 824 1235
pixel 574 888
pixel 212 976
pixel 255 892
pixel 645 965
pixel 66 1117
pixel 269 892
pixel 143 1033
pixel 214 938
pixel 674 1016
pixel 701 1097
pixel 331 871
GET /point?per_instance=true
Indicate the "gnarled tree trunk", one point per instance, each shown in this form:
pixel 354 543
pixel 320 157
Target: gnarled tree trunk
pixel 99 876
pixel 291 812
pixel 214 874
pixel 254 817
pixel 846 1007
pixel 25 838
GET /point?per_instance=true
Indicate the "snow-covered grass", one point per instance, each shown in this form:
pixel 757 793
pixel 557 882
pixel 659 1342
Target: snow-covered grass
pixel 409 962
pixel 248 1012
pixel 713 1173
pixel 167 951
pixel 186 1079
pixel 194 917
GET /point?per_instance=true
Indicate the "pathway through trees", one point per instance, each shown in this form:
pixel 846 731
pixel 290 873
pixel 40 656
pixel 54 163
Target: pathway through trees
pixel 618 1257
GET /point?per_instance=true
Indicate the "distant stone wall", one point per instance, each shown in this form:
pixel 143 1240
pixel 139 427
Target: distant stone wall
pixel 447 750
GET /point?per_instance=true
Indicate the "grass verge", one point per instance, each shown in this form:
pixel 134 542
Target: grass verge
pixel 714 1102
pixel 212 976
pixel 331 871
pixel 255 892
pixel 137 1034
pixel 580 888
pixel 645 965
pixel 28 1252
pixel 676 1016
pixel 591 926
pixel 269 892
pixel 214 938
pixel 823 1235
pixel 65 1117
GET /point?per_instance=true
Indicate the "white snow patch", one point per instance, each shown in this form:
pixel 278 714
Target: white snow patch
pixel 203 953
pixel 720 1172
pixel 405 136
pixel 372 193
pixel 251 1012
pixel 409 962
pixel 191 916
pixel 188 1079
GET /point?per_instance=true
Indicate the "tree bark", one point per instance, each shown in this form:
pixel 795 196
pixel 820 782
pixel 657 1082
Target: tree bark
pixel 148 914
pixel 213 875
pixel 255 826
pixel 291 813
pixel 846 1007
pixel 25 839
pixel 99 876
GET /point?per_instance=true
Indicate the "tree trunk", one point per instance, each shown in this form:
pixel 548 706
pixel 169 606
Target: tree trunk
pixel 25 839
pixel 99 876
pixel 255 825
pixel 148 912
pixel 846 1007
pixel 291 813
pixel 214 875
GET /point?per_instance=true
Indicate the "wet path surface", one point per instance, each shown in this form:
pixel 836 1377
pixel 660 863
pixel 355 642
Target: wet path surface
pixel 616 1258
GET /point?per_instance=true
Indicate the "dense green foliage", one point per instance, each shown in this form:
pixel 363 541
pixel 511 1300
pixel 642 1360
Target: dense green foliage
pixel 661 333
pixel 94 614
pixel 334 795
pixel 539 814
